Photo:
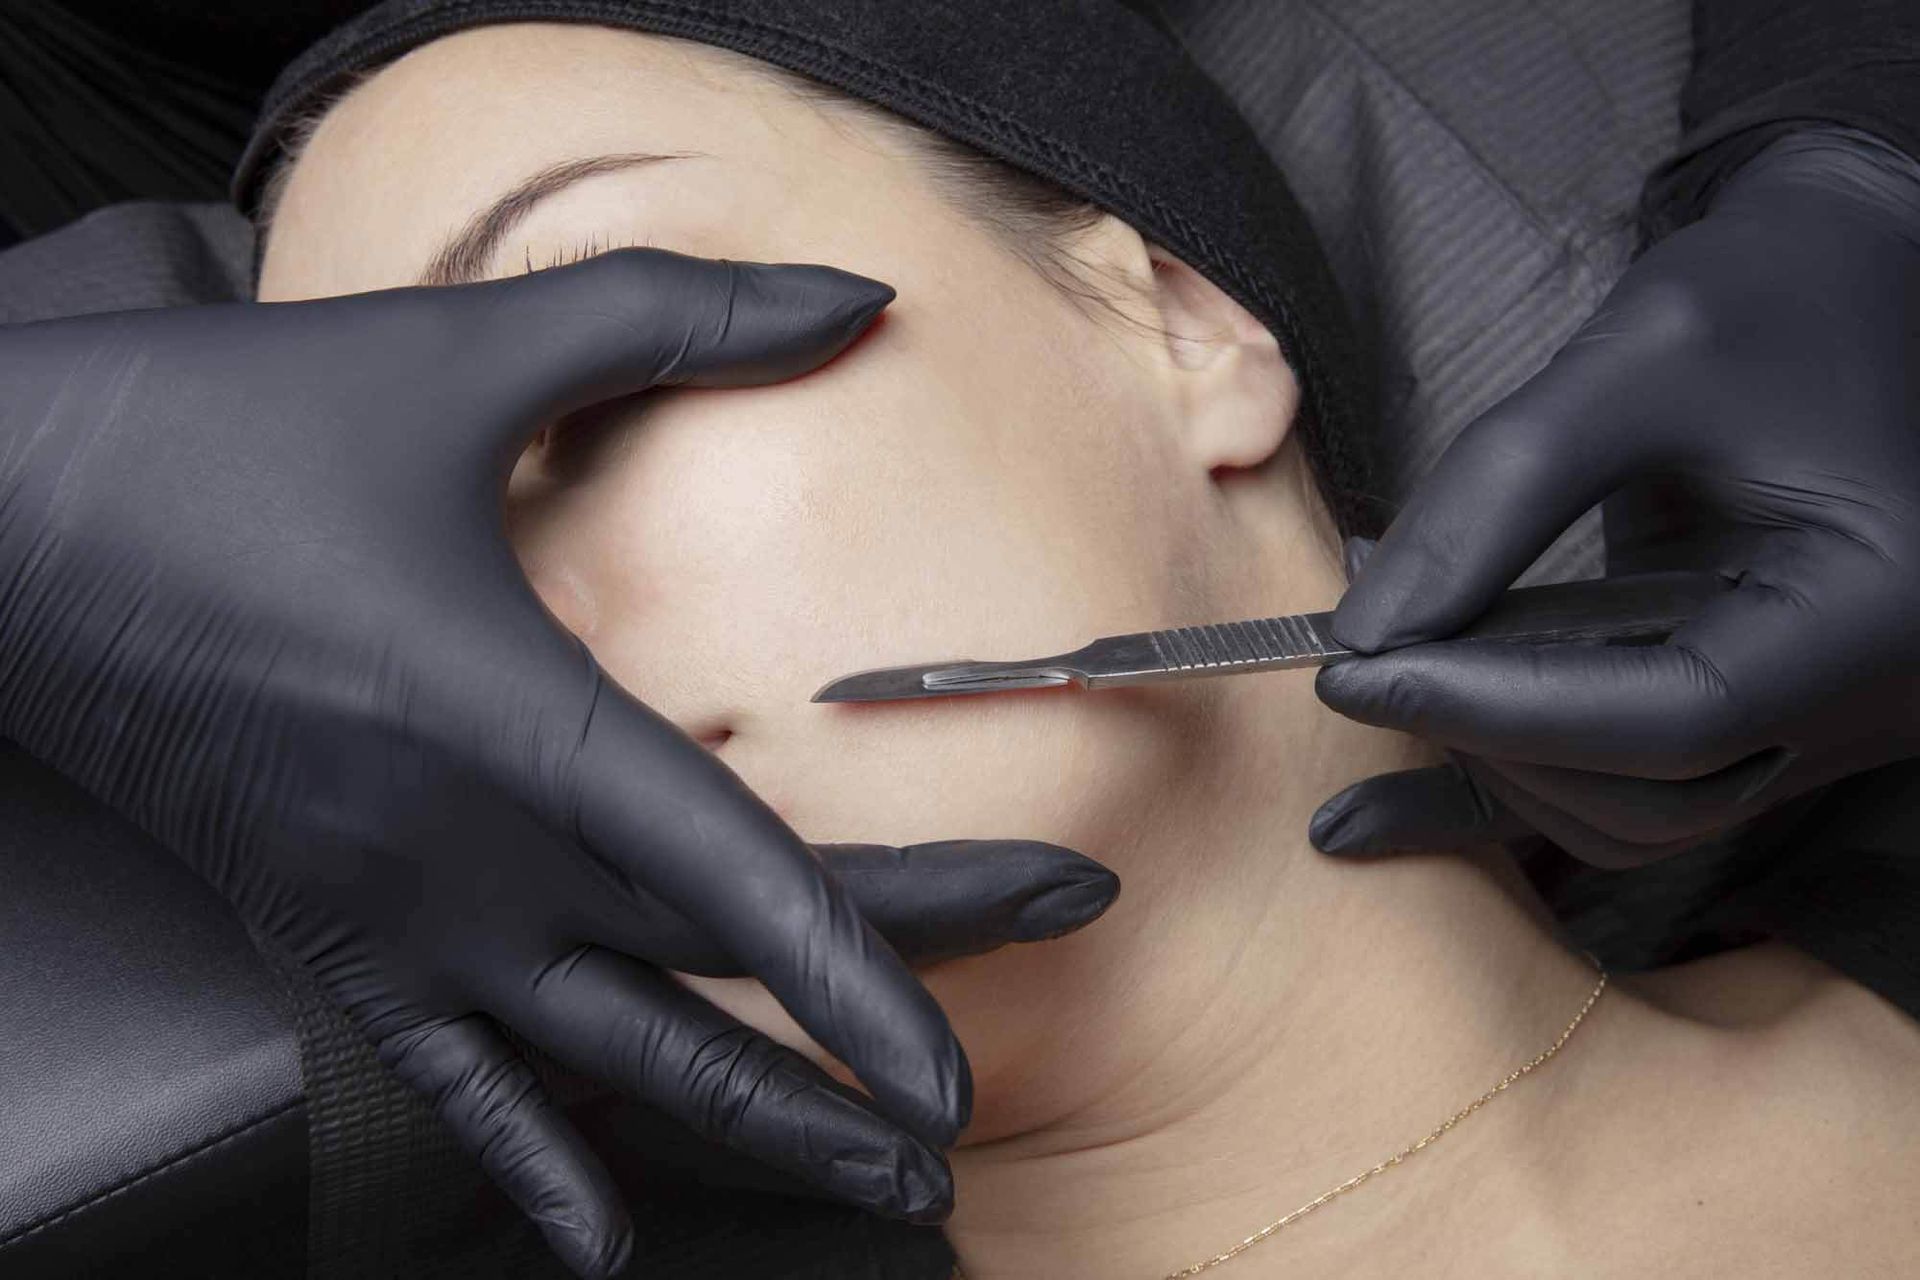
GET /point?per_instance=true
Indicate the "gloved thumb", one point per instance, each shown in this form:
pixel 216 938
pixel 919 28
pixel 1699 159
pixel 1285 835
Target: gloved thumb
pixel 540 346
pixel 1439 809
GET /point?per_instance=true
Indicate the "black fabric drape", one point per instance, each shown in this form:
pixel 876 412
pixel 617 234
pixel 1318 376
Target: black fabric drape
pixel 89 118
pixel 109 100
pixel 1763 67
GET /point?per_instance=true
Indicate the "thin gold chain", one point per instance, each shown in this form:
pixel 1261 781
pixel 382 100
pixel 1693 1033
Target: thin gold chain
pixel 1452 1120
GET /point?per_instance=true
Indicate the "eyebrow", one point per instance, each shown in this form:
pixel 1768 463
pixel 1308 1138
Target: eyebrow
pixel 464 257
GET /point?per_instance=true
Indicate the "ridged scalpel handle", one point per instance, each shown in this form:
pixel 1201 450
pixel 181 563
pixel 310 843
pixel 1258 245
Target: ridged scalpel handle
pixel 1637 606
pixel 1295 640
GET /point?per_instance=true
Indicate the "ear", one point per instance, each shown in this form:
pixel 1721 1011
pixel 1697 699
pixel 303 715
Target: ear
pixel 1237 395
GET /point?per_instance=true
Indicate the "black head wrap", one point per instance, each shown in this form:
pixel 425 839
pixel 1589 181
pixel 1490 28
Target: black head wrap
pixel 1091 95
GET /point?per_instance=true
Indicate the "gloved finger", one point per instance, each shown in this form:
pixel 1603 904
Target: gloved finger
pixel 1640 811
pixel 931 902
pixel 1440 808
pixel 611 1017
pixel 494 1104
pixel 546 344
pixel 954 898
pixel 1506 487
pixel 1586 843
pixel 652 804
pixel 1650 711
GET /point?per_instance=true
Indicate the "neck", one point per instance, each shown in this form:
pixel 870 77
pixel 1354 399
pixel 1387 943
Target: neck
pixel 1302 1021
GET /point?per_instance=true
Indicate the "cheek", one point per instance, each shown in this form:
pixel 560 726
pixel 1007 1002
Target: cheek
pixel 764 541
pixel 725 553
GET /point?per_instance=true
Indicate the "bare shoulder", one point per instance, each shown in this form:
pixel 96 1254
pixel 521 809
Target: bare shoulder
pixel 1747 988
pixel 1824 1058
pixel 1842 1070
pixel 1794 1015
pixel 1789 1151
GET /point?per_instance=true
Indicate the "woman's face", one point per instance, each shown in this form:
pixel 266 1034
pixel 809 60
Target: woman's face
pixel 993 472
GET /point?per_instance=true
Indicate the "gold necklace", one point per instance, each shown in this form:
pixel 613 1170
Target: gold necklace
pixel 1452 1120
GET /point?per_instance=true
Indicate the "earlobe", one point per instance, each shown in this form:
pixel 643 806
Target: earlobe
pixel 1238 395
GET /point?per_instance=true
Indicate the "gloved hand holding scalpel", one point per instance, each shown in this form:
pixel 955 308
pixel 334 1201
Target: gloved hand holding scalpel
pixel 1750 395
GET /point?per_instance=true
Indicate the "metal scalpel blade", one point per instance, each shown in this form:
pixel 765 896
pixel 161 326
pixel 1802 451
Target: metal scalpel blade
pixel 1643 606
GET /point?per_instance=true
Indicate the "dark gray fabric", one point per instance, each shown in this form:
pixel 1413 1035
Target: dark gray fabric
pixel 128 257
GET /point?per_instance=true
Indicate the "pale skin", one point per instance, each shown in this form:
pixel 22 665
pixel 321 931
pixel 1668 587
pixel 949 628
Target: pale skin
pixel 997 470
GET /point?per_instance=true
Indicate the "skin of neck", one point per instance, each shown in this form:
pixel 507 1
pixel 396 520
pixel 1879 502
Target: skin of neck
pixel 1296 1020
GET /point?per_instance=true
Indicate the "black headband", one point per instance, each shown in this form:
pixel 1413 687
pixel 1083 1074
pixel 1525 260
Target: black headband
pixel 1090 95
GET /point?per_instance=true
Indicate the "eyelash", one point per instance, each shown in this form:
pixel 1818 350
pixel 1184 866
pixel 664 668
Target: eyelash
pixel 591 247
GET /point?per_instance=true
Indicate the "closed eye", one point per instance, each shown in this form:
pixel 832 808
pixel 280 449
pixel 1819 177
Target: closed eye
pixel 580 251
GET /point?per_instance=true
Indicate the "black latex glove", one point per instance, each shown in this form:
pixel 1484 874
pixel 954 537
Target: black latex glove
pixel 1750 392
pixel 255 593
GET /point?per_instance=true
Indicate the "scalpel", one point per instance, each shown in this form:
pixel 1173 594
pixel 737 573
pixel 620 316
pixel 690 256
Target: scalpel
pixel 1642 606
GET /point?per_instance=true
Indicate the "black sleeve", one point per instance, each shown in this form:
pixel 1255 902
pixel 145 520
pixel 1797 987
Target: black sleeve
pixel 1762 68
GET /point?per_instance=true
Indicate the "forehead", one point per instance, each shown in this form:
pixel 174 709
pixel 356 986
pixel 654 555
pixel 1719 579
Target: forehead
pixel 426 142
